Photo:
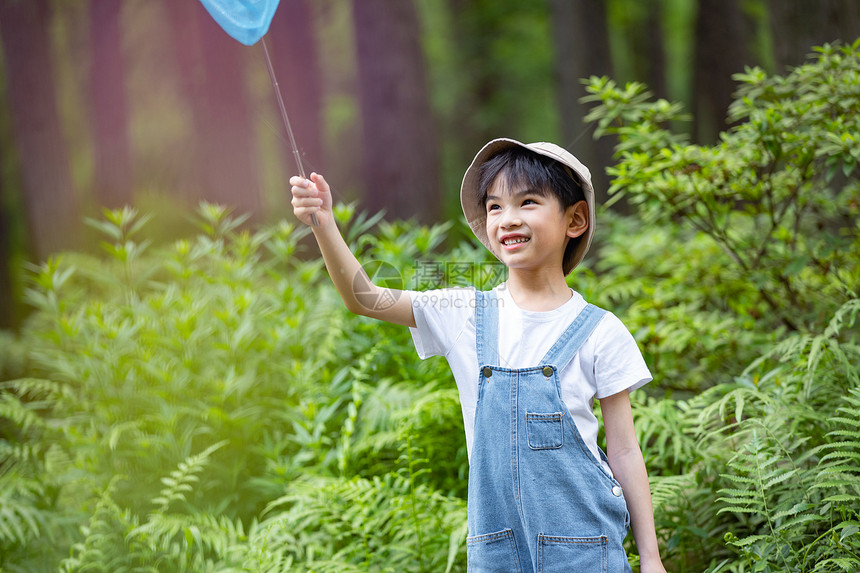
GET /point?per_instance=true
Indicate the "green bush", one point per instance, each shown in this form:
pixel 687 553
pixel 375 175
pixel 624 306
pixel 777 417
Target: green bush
pixel 175 393
pixel 760 230
pixel 740 280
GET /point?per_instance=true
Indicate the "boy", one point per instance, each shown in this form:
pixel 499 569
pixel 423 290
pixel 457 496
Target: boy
pixel 528 357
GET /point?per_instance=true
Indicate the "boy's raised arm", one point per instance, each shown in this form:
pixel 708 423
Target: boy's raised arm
pixel 359 294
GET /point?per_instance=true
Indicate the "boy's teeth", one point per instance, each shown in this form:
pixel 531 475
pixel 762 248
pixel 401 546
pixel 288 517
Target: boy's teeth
pixel 515 241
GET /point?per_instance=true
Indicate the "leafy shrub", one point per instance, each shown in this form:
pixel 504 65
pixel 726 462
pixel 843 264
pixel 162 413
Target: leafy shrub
pixel 745 296
pixel 225 350
pixel 771 211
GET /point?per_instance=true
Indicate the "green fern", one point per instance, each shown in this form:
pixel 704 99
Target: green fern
pixel 180 480
pixel 115 539
pixel 191 536
pixel 800 516
pixel 104 546
pixel 761 480
pixel 839 468
pixel 22 515
pixel 684 515
pixel 367 523
pixel 838 479
pixel 666 434
pixel 24 415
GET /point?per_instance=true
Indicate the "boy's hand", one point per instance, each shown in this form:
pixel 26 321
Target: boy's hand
pixel 311 196
pixel 651 566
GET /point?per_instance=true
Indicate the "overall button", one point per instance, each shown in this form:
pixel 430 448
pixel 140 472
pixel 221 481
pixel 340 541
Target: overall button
pixel 547 371
pixel 487 371
pixel 616 490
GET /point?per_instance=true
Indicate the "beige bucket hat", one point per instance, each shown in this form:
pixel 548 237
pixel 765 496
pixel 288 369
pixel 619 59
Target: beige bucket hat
pixel 476 214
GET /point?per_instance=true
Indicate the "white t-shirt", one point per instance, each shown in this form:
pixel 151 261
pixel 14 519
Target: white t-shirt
pixel 606 364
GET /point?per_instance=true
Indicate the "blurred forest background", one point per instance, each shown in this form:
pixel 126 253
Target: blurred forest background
pixel 181 388
pixel 105 103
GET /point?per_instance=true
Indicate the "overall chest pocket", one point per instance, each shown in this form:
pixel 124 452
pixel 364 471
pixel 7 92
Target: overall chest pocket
pixel 545 431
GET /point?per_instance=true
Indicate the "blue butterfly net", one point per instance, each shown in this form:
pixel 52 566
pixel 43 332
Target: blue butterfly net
pixel 245 20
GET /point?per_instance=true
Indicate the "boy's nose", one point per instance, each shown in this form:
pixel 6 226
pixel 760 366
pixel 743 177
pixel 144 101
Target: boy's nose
pixel 510 220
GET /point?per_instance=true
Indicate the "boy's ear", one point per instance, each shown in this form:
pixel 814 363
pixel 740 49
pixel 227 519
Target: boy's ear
pixel 577 217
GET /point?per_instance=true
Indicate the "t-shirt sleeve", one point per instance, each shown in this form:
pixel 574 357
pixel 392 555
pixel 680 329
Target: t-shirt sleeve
pixel 618 362
pixel 440 317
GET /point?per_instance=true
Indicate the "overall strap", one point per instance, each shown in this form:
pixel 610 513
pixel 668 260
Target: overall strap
pixel 486 327
pixel 572 339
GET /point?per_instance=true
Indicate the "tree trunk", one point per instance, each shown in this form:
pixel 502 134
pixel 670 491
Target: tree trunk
pixel 184 37
pixel 581 39
pixel 7 304
pixel 9 184
pixel 656 51
pixel 292 41
pixel 799 25
pixel 720 51
pixel 49 197
pixel 399 140
pixel 640 31
pixel 230 169
pixel 112 183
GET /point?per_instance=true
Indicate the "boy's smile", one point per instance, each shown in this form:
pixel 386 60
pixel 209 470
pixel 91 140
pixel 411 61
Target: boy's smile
pixel 513 241
pixel 528 229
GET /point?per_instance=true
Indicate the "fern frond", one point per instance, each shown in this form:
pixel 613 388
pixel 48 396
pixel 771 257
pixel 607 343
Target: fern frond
pixel 766 485
pixel 844 317
pixel 196 533
pixel 749 540
pixel 793 510
pixel 847 564
pixel 19 413
pixel 21 519
pixel 839 453
pixel 104 547
pixel 365 523
pixel 839 466
pixel 737 507
pixel 778 476
pixel 666 432
pixel 846 421
pixel 180 480
pixel 33 388
pixel 16 453
pixel 723 414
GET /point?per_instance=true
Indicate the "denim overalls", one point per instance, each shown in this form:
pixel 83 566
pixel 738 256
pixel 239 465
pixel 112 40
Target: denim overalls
pixel 538 499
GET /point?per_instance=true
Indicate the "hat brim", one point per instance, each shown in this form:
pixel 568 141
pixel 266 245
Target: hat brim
pixel 476 214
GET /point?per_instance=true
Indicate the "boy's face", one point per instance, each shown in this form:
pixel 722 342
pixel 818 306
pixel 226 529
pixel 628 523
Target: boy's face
pixel 528 229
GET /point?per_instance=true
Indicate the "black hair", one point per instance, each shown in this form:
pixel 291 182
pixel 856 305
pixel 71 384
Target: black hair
pixel 518 166
pixel 542 174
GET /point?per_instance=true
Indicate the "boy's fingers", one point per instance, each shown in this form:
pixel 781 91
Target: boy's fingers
pixel 320 181
pixel 299 183
pixel 302 187
pixel 303 202
pixel 306 200
pixel 304 192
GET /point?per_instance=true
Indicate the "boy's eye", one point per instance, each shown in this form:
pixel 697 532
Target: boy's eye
pixel 492 206
pixel 529 202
